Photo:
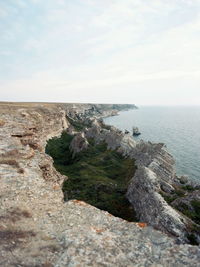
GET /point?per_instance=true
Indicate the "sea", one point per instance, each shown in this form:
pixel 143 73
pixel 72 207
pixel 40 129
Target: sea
pixel 177 127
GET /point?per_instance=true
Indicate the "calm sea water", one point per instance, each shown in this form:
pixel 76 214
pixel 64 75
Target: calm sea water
pixel 177 127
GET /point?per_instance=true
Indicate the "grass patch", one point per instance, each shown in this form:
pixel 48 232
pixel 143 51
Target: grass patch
pixel 192 239
pixel 169 198
pixel 196 207
pixel 179 191
pixel 98 176
pixel 192 211
pixel 188 188
pixel 58 149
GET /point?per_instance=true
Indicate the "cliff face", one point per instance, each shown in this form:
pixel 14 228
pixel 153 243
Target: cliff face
pixel 155 177
pixel 38 229
pixel 153 183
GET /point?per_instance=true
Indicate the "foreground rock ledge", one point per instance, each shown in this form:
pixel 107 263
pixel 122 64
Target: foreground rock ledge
pixel 38 229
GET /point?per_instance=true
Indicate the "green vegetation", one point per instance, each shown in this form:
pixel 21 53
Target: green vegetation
pixel 192 211
pixel 192 239
pixel 167 197
pixel 170 197
pixel 179 191
pixel 188 188
pixel 58 149
pixel 98 176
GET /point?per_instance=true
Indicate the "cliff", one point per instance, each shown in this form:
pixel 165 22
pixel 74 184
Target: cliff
pixel 37 228
pixel 154 181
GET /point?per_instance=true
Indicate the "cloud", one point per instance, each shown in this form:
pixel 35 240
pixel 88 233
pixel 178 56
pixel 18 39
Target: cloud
pixel 5 53
pixel 89 44
pixel 3 13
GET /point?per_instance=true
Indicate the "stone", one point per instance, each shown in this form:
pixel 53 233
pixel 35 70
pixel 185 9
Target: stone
pixel 150 207
pixel 166 187
pixel 183 179
pixel 79 143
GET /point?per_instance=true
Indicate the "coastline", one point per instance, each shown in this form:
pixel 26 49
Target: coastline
pixel 158 124
pixel 36 221
pixel 158 166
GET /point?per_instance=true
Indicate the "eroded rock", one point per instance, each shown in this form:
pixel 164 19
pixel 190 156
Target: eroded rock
pixel 150 206
pixel 79 143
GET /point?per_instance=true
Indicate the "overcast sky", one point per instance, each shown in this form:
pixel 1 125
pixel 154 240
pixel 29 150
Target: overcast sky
pixel 108 51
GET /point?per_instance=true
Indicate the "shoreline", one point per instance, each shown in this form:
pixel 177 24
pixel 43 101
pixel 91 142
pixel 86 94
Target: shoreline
pixel 179 158
pixel 36 221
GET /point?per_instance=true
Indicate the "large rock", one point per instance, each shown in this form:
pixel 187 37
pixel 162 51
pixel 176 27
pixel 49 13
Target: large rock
pixel 113 137
pixel 95 238
pixel 156 174
pixel 190 206
pixel 150 207
pixel 79 143
pixel 156 158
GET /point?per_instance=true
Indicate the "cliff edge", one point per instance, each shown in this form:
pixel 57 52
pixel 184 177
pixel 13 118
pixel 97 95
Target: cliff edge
pixel 37 228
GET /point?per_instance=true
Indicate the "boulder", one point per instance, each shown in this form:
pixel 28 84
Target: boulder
pixel 150 207
pixel 78 143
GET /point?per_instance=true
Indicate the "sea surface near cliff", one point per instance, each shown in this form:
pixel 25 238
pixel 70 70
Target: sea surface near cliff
pixel 177 127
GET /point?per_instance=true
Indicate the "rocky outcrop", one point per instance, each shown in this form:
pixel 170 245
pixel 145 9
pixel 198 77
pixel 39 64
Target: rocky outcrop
pixel 84 111
pixel 187 200
pixel 114 138
pixel 155 157
pixel 150 207
pixel 30 186
pixel 155 174
pixel 95 238
pixel 78 144
pixel 38 229
pixel 189 205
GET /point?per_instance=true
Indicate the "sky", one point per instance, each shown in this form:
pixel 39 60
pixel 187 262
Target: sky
pixel 100 51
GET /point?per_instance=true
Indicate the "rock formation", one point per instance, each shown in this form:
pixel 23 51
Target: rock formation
pixel 155 175
pixel 37 228
pixel 150 206
pixel 79 143
pixel 154 179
